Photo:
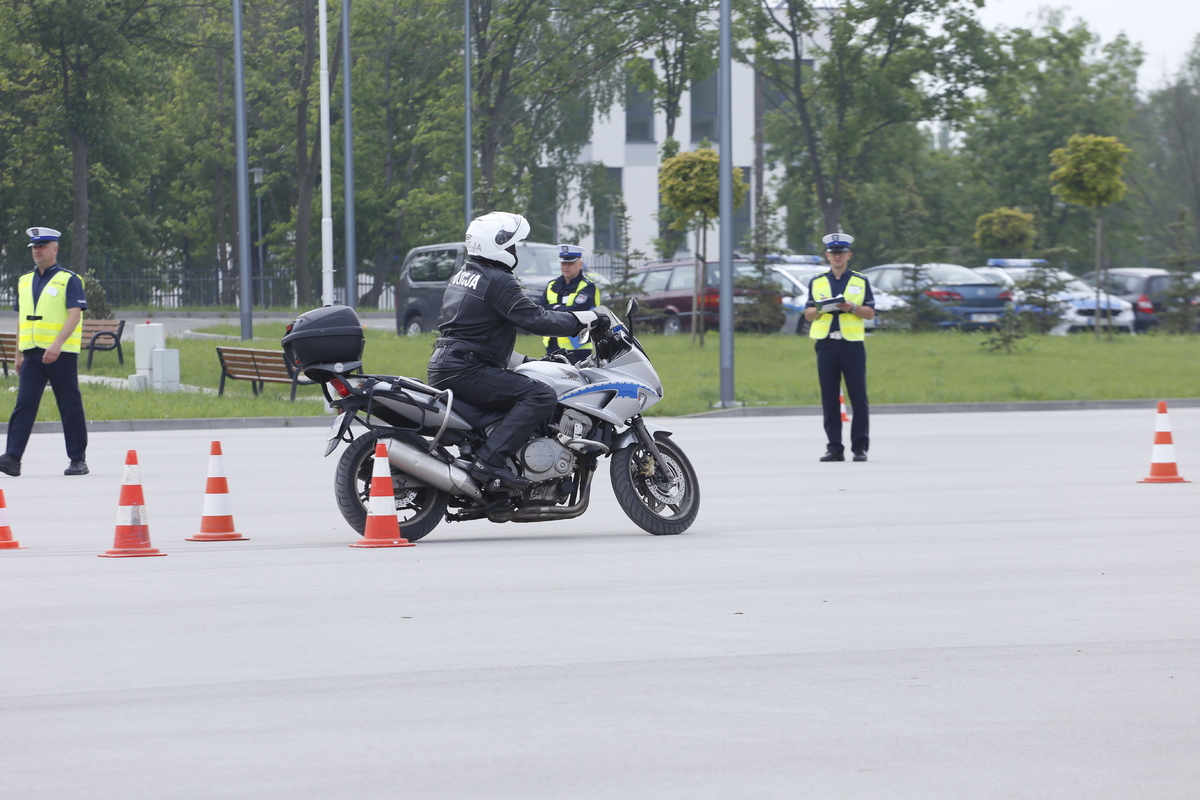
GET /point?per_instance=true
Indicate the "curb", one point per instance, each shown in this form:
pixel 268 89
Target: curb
pixel 939 408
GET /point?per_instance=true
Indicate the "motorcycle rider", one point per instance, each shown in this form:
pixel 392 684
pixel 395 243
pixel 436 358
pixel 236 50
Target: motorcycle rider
pixel 481 311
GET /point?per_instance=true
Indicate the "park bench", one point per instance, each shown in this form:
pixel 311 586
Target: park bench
pixel 8 350
pixel 103 334
pixel 258 367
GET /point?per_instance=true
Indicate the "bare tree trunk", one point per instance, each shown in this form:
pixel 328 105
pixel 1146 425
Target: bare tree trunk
pixel 219 196
pixel 79 188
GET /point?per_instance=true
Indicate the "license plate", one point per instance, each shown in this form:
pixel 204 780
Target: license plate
pixel 332 440
pixel 985 318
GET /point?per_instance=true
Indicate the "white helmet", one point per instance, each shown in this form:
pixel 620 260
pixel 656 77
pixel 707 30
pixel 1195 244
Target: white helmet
pixel 492 235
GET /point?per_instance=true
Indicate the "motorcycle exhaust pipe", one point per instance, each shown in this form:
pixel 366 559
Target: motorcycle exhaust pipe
pixel 438 474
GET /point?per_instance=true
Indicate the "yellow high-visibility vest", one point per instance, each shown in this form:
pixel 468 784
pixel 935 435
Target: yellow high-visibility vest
pixel 851 325
pixel 49 314
pixel 553 298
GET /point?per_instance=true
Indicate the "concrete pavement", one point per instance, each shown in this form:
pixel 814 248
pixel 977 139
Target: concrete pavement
pixel 992 607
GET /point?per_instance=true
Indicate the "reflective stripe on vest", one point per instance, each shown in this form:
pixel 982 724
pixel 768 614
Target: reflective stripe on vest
pixel 852 326
pixel 52 308
pixel 571 342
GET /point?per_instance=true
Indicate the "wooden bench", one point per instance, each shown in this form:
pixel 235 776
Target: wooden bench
pixel 258 367
pixel 103 334
pixel 8 350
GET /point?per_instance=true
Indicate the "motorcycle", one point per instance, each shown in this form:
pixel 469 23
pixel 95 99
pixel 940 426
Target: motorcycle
pixel 432 437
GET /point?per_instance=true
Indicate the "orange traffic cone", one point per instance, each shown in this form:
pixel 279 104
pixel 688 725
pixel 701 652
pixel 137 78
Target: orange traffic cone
pixel 132 536
pixel 1162 458
pixel 216 521
pixel 6 538
pixel 383 527
pixel 842 403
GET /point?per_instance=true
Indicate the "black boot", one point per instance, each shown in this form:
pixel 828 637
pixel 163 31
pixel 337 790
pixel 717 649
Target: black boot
pixel 9 465
pixel 487 473
pixel 833 455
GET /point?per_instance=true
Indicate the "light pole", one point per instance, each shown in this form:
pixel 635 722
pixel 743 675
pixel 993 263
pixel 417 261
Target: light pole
pixel 243 176
pixel 257 174
pixel 725 205
pixel 469 166
pixel 348 169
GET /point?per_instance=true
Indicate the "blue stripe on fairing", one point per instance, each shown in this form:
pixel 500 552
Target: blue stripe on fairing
pixel 622 390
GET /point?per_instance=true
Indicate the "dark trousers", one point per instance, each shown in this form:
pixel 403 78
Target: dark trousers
pixel 530 402
pixel 838 359
pixel 63 377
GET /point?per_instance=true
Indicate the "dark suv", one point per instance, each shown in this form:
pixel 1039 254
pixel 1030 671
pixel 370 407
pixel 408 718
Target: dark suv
pixel 1145 287
pixel 427 269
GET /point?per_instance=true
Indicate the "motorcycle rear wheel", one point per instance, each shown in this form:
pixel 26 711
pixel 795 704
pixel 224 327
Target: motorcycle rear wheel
pixel 419 510
pixel 658 503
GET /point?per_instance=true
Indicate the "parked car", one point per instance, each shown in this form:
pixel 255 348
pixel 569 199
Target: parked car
pixel 1077 299
pixel 969 300
pixel 666 293
pixel 426 270
pixel 1144 287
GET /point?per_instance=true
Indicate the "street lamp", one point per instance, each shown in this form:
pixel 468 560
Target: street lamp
pixel 257 174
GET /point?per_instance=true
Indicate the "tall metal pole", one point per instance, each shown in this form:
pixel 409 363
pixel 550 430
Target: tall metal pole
pixel 725 206
pixel 243 175
pixel 348 170
pixel 469 151
pixel 326 169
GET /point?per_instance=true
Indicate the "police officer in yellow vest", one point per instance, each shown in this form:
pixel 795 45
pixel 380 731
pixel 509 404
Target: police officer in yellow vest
pixel 50 304
pixel 572 291
pixel 838 302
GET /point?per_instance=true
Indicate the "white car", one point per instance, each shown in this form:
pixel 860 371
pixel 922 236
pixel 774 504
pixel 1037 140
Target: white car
pixel 1077 298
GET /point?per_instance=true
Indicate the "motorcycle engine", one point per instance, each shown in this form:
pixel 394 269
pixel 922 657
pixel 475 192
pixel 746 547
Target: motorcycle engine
pixel 545 459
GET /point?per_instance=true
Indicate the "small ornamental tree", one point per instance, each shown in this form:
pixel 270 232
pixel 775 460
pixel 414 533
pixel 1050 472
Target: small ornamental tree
pixel 1089 171
pixel 1005 232
pixel 689 185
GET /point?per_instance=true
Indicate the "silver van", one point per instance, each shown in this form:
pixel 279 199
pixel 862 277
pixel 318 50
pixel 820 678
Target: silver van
pixel 427 269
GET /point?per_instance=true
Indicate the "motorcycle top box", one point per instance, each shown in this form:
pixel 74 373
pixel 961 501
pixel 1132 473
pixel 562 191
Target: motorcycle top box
pixel 318 340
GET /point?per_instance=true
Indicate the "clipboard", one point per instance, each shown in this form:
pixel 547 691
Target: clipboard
pixel 830 305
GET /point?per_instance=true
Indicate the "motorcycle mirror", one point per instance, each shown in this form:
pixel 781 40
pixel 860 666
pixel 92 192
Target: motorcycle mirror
pixel 632 307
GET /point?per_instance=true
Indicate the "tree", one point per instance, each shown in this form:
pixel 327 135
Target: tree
pixel 689 185
pixel 84 54
pixel 1056 81
pixel 880 64
pixel 1182 294
pixel 1005 232
pixel 684 41
pixel 1088 173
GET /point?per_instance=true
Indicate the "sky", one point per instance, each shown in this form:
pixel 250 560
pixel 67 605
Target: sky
pixel 1165 29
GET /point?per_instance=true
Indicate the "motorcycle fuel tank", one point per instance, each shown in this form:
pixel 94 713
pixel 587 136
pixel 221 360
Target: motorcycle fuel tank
pixel 562 378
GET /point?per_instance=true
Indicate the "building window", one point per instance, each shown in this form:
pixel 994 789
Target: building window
pixel 607 225
pixel 704 109
pixel 639 112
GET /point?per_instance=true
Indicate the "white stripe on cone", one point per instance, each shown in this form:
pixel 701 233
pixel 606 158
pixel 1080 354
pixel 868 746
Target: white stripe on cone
pixel 1163 454
pixel 215 468
pixel 130 476
pixel 217 505
pixel 131 515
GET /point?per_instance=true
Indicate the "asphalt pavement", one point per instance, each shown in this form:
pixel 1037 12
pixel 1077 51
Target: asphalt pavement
pixel 991 607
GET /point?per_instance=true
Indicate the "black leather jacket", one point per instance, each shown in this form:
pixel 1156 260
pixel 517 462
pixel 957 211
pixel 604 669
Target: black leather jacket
pixel 483 307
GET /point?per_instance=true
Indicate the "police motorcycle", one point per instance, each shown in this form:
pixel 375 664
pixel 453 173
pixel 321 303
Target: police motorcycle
pixel 432 437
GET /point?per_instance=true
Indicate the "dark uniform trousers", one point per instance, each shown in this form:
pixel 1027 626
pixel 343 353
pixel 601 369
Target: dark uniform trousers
pixel 529 403
pixel 63 376
pixel 838 358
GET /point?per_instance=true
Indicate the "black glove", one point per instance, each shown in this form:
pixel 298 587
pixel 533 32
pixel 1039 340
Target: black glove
pixel 600 326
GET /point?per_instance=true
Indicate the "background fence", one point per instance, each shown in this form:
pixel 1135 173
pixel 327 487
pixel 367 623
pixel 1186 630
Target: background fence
pixel 143 287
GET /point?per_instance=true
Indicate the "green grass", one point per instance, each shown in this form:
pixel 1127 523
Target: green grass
pixel 941 367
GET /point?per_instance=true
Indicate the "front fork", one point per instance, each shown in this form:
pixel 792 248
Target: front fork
pixel 639 427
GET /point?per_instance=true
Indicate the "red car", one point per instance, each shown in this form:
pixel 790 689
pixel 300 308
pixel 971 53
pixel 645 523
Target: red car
pixel 666 293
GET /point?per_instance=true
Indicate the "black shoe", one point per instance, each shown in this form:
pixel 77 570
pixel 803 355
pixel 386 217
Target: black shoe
pixel 860 456
pixel 76 467
pixel 832 456
pixel 9 465
pixel 503 476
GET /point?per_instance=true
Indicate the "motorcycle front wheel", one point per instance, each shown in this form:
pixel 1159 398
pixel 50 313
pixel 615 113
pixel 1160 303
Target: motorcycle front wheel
pixel 657 502
pixel 419 510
